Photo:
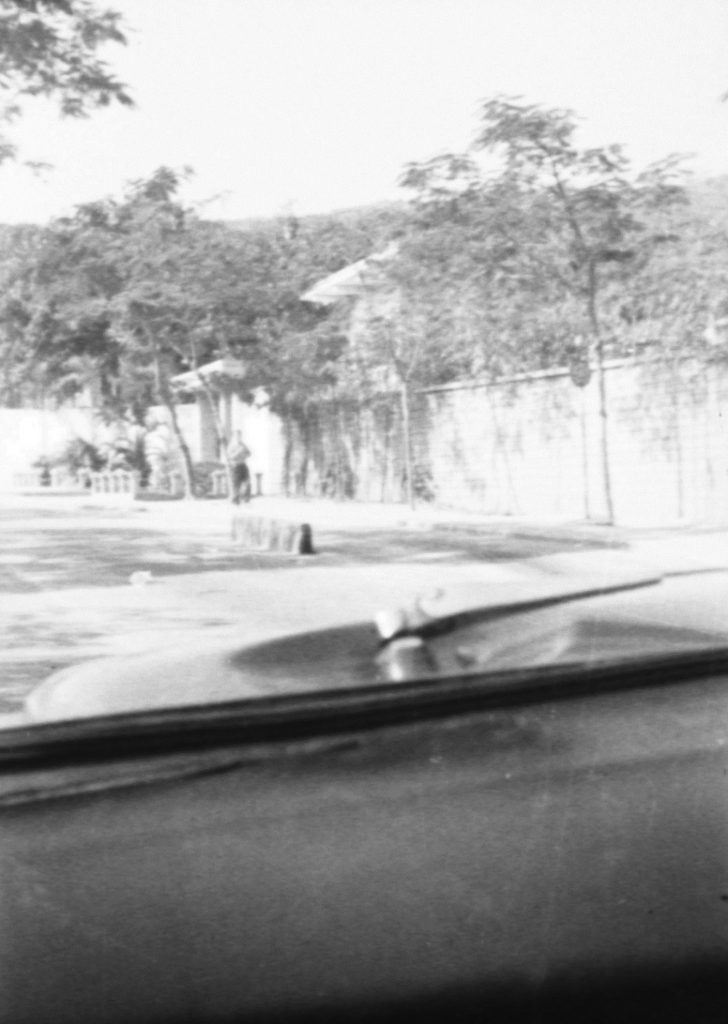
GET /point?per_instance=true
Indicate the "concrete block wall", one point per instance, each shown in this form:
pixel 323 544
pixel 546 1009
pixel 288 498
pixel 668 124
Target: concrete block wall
pixel 262 432
pixel 528 446
pixel 344 450
pixel 531 446
pixel 506 449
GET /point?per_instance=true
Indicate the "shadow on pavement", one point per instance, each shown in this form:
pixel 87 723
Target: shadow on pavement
pixel 54 551
pixel 446 545
pixel 50 560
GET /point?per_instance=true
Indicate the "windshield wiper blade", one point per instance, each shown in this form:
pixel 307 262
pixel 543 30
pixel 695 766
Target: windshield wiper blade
pixel 444 611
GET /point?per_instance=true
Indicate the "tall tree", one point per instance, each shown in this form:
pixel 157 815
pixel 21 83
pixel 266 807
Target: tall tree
pixel 104 302
pixel 573 225
pixel 400 337
pixel 128 292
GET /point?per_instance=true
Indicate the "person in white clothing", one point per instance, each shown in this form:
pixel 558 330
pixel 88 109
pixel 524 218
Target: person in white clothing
pixel 238 455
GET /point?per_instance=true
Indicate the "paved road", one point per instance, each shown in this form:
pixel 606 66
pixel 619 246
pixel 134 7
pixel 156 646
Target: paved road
pixel 65 575
pixel 56 548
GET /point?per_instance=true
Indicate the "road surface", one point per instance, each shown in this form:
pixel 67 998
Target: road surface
pixel 72 589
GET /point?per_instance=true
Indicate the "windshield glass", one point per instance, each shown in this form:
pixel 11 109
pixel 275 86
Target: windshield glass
pixel 345 345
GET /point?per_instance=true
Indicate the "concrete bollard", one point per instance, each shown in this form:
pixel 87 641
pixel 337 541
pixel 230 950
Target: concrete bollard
pixel 306 540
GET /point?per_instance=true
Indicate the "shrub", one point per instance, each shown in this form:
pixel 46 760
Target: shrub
pixel 202 474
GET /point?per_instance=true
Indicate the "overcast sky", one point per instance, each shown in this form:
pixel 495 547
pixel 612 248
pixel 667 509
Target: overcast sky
pixel 317 104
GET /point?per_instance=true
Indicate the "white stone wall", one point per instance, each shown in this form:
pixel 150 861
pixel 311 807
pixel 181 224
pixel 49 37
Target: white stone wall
pixel 29 434
pixel 532 446
pixel 262 432
pixel 527 447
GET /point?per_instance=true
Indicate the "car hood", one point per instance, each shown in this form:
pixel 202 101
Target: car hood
pixel 595 606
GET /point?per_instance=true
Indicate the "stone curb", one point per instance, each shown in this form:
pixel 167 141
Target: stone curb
pixel 266 533
pixel 604 536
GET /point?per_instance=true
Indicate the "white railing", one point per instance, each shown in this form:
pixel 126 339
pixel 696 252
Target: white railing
pixel 114 481
pixel 41 479
pixel 219 483
pixel 119 481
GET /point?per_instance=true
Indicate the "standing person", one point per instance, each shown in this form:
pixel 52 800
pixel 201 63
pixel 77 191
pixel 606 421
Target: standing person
pixel 238 454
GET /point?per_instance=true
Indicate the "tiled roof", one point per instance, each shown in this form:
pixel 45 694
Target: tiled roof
pixel 349 281
pixel 220 369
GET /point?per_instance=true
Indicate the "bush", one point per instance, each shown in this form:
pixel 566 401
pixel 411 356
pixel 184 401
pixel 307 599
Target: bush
pixel 79 458
pixel 422 484
pixel 202 478
pixel 80 455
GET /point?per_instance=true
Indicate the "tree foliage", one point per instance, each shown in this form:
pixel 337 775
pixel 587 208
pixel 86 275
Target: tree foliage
pixel 511 256
pixel 541 237
pixel 543 240
pixel 127 293
pixel 51 49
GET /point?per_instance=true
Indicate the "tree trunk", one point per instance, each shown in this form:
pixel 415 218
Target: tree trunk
pixel 603 405
pixel 604 435
pixel 584 452
pixel 675 385
pixel 407 439
pixel 289 451
pixel 219 432
pixel 302 475
pixel 187 469
pixel 169 402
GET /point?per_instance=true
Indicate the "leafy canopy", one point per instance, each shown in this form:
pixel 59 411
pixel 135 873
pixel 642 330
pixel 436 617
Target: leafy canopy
pixel 536 240
pixel 51 49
